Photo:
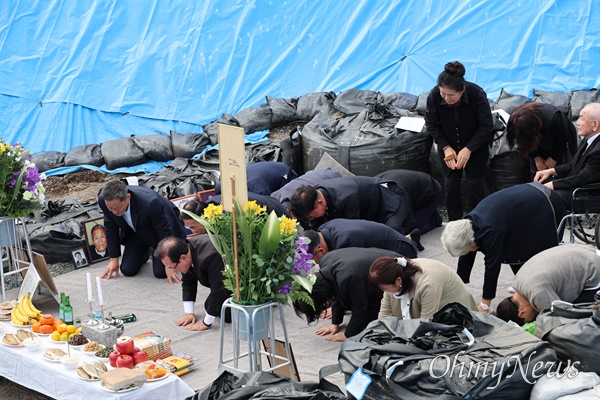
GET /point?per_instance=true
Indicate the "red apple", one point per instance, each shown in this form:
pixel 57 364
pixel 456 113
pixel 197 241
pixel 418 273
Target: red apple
pixel 140 357
pixel 125 345
pixel 112 358
pixel 135 349
pixel 125 361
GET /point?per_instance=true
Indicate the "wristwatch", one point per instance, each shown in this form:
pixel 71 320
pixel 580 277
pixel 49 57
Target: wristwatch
pixel 484 307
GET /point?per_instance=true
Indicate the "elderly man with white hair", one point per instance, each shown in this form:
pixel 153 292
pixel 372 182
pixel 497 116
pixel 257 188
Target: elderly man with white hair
pixel 584 169
pixel 509 226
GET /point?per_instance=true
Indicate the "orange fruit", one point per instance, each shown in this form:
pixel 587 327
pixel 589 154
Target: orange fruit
pixel 56 323
pixel 36 327
pixel 61 328
pixel 47 319
pixel 71 328
pixel 44 329
pixel 55 336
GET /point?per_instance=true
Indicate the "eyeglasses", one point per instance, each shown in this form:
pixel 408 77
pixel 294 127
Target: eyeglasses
pixel 175 267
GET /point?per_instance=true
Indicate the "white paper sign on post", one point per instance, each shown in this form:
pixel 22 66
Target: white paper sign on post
pixel 232 164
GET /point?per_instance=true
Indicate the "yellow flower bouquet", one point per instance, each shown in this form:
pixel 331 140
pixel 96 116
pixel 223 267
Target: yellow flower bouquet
pixel 273 262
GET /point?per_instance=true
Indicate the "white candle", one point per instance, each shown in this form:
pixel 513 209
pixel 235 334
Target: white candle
pixel 89 286
pixel 100 298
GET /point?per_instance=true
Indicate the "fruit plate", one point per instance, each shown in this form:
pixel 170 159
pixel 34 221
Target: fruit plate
pixel 58 341
pixel 76 347
pixel 159 379
pixel 91 353
pixel 19 326
pixel 119 391
pixel 43 334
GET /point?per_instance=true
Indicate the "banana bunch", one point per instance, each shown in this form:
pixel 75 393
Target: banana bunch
pixel 25 312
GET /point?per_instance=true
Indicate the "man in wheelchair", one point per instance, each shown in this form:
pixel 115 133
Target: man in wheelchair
pixel 584 169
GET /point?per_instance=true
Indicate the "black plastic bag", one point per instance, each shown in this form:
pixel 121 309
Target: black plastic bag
pixel 47 160
pixel 312 104
pixel 155 147
pixel 283 111
pixel 254 119
pixel 122 152
pixel 580 99
pixel 265 385
pixel 572 339
pixel 88 154
pixel 509 102
pixel 353 101
pixel 401 370
pixel 187 145
pixel 400 100
pixel 560 100
pixel 212 130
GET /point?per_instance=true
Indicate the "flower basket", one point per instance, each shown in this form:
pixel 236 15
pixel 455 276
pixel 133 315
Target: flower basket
pixel 272 260
pixel 21 191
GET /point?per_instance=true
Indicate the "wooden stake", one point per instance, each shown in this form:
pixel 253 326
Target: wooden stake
pixel 235 247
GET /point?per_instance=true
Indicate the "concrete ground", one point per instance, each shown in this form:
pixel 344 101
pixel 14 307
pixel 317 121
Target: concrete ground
pixel 157 305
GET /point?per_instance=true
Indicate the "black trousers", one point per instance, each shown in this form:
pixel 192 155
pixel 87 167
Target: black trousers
pixel 136 254
pixel 476 191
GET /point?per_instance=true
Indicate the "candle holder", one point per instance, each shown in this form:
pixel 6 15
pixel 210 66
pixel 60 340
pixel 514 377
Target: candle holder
pixel 103 325
pixel 92 321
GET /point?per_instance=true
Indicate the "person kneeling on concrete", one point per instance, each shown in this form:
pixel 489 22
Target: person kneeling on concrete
pixel 569 273
pixel 417 288
pixel 341 233
pixel 198 261
pixel 342 284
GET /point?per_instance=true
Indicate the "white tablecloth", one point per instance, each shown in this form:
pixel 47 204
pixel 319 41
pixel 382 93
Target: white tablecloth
pixel 52 379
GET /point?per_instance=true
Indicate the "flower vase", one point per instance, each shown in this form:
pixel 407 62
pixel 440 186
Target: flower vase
pixel 7 232
pixel 243 320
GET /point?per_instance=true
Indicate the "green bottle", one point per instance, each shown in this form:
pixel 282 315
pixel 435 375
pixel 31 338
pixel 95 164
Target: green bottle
pixel 68 311
pixel 61 307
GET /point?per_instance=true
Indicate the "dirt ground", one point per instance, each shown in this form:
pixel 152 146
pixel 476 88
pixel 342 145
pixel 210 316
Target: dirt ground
pixel 81 185
pixel 84 185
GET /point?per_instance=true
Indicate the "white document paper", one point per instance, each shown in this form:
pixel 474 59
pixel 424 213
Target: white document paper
pixel 413 124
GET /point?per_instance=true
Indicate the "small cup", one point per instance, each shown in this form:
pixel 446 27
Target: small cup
pixel 32 343
pixel 69 362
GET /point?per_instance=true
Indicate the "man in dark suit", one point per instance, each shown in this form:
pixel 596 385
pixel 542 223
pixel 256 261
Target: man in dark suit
pixel 354 197
pixel 342 283
pixel 584 169
pixel 198 261
pixel 265 177
pixel 340 233
pixel 138 218
pixel 424 192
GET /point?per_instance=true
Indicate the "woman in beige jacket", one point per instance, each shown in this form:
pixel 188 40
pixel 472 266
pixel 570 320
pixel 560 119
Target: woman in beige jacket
pixel 417 288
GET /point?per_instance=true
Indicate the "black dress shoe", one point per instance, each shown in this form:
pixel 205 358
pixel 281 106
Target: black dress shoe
pixel 415 236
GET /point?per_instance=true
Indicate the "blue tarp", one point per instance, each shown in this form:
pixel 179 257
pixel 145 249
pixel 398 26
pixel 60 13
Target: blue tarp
pixel 80 72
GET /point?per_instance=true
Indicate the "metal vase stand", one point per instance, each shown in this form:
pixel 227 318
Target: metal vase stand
pixel 16 255
pixel 245 327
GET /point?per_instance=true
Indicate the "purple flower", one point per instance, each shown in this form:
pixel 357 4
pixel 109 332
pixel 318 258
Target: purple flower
pixel 285 289
pixel 31 177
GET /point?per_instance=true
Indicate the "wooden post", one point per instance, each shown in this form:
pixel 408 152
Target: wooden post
pixel 235 246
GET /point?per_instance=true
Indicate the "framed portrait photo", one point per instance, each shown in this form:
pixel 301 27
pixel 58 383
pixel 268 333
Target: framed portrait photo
pixel 95 237
pixel 79 258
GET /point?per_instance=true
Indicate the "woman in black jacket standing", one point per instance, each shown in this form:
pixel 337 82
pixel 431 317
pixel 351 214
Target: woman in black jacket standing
pixel 459 119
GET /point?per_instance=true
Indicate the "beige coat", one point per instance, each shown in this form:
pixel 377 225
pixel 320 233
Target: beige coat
pixel 435 287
